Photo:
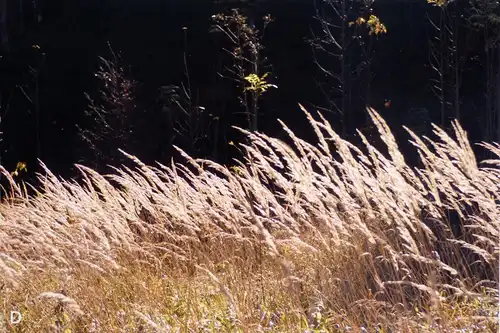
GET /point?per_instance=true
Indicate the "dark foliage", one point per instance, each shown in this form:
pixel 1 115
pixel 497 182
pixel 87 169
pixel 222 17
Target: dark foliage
pixel 165 87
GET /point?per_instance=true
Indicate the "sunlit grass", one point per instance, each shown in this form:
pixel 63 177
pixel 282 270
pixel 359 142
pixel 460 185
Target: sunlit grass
pixel 317 238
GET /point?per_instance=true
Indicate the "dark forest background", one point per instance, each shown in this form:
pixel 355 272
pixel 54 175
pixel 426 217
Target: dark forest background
pixel 436 62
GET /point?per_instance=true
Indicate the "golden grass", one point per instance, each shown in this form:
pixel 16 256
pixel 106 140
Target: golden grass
pixel 317 238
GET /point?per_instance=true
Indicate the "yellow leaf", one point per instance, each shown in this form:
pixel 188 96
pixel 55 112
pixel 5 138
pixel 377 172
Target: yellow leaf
pixel 236 169
pixel 257 84
pixel 376 26
pixel 439 3
pixel 20 166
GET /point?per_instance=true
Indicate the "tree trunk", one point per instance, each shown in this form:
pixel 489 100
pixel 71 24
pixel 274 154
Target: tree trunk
pixel 457 61
pixel 344 72
pixel 489 107
pixel 21 17
pixel 497 91
pixel 255 97
pixel 442 41
pixel 4 35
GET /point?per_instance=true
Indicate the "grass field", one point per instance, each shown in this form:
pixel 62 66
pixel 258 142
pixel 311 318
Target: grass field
pixel 323 237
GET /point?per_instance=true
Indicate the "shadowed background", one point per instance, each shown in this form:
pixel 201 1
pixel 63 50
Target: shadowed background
pixel 42 90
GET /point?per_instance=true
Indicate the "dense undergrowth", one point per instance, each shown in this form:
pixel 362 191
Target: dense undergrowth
pixel 318 238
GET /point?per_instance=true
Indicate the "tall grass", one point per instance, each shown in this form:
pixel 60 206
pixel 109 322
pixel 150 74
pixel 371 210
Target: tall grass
pixel 326 236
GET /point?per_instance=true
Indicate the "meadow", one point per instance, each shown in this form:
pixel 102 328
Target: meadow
pixel 309 237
